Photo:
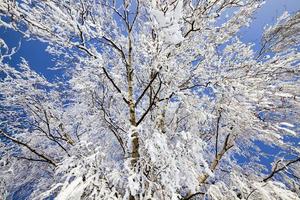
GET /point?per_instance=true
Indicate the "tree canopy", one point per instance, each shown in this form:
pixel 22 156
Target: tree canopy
pixel 160 99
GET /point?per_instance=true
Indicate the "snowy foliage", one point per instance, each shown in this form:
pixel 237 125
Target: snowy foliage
pixel 158 101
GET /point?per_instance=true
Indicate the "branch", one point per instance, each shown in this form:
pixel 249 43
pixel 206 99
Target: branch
pixel 151 104
pixel 113 44
pixel 111 125
pixel 217 131
pixel 114 84
pixel 146 88
pixel 30 159
pixel 196 85
pixel 136 14
pixel 116 11
pixel 52 137
pixel 192 29
pixel 42 155
pixel 193 195
pixel 83 48
pixel 250 194
pixel 276 170
pixel 202 178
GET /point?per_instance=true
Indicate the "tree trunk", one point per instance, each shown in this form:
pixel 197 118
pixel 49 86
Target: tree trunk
pixel 134 135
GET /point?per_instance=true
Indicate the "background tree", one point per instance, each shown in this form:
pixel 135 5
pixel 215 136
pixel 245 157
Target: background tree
pixel 159 101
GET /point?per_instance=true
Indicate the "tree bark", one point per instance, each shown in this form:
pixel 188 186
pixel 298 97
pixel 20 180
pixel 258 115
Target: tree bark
pixel 134 134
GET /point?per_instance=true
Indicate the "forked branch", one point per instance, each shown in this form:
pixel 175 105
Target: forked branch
pixel 277 169
pixel 34 151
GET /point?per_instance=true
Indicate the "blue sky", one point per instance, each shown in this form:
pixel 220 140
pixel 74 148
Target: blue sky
pixel 33 51
pixel 268 14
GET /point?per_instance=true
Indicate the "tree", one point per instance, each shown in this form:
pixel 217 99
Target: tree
pixel 159 101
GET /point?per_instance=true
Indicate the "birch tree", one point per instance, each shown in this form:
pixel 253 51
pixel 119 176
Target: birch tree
pixel 159 100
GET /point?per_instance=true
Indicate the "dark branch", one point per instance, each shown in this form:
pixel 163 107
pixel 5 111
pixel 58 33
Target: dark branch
pixel 34 151
pixel 217 131
pixel 114 84
pixel 151 104
pixel 277 169
pixel 146 88
pixel 193 195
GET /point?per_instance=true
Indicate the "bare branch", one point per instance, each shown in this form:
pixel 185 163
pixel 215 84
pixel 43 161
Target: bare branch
pixel 277 169
pixel 151 104
pixel 217 131
pixel 216 161
pixel 34 151
pixel 146 88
